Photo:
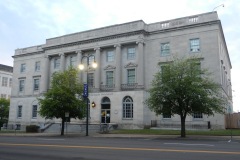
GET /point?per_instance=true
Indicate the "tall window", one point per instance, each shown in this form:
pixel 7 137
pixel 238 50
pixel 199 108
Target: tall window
pixel 197 115
pixel 72 61
pixel 37 66
pixel 10 82
pixel 164 70
pixel 21 85
pixel 19 113
pixel 109 78
pixel 131 53
pixel 90 60
pixel 130 76
pixel 165 49
pixel 3 96
pixel 194 45
pixel 110 56
pixel 127 108
pixel 4 81
pixel 23 68
pixel 91 80
pixel 56 63
pixel 196 67
pixel 167 116
pixel 34 111
pixel 36 84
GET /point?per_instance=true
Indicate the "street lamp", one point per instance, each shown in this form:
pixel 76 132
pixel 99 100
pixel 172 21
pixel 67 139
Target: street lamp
pixel 85 91
pixel 218 6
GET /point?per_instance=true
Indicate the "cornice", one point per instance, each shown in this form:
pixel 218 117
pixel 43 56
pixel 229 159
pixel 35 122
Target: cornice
pixel 96 39
pixel 28 54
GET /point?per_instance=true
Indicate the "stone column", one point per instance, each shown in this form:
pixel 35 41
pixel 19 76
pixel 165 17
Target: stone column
pixel 62 61
pixel 140 69
pixel 97 78
pixel 118 79
pixel 46 73
pixel 79 59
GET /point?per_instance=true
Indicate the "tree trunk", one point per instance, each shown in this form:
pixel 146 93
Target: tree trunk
pixel 183 130
pixel 62 129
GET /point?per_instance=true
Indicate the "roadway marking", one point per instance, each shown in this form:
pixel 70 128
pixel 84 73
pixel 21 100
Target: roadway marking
pixel 46 139
pixel 119 148
pixel 188 144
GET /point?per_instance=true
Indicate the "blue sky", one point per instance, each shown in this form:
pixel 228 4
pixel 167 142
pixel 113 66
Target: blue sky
pixel 25 23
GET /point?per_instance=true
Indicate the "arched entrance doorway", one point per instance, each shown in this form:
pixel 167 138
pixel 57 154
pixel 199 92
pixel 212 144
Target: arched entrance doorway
pixel 105 110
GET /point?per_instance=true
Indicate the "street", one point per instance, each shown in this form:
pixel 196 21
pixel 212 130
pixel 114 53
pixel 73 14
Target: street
pixel 100 148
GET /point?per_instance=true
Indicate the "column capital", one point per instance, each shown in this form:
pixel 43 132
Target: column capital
pixel 61 54
pixel 117 45
pixel 47 56
pixel 97 48
pixel 79 51
pixel 141 41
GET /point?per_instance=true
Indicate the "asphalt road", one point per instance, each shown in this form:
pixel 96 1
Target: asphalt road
pixel 102 148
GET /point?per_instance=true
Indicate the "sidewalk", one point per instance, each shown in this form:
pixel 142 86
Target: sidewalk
pixel 188 137
pixel 98 135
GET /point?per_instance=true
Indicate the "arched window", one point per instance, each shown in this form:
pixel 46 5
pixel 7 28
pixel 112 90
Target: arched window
pixel 105 100
pixel 105 110
pixel 127 107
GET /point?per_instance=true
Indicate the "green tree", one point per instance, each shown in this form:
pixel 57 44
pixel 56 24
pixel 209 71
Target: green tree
pixel 181 87
pixel 63 97
pixel 4 110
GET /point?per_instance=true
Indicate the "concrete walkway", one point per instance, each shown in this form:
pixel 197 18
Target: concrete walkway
pixel 193 137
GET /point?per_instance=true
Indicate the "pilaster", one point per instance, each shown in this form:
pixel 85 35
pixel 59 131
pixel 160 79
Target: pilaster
pixel 118 67
pixel 62 61
pixel 97 78
pixel 46 73
pixel 140 69
pixel 79 59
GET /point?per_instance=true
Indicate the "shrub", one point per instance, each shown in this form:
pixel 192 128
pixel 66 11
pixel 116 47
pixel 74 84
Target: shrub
pixel 32 129
pixel 146 127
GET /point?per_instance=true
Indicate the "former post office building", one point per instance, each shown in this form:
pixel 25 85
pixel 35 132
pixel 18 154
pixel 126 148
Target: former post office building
pixel 127 55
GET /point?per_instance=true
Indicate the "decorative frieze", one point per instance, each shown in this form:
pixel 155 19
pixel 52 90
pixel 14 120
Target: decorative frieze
pixel 131 65
pixel 109 67
pixel 96 33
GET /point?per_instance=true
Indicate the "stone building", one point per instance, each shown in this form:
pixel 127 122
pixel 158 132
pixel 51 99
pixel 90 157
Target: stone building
pixel 127 56
pixel 6 73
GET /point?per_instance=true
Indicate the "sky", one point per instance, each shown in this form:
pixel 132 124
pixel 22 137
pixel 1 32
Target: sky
pixel 25 23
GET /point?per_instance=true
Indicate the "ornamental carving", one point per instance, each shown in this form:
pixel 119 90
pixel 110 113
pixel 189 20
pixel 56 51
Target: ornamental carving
pixel 130 65
pixel 109 67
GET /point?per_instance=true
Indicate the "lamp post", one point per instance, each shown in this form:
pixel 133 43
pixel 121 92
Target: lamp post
pixel 218 6
pixel 85 91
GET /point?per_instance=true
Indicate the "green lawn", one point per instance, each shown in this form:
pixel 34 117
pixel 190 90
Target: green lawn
pixel 234 132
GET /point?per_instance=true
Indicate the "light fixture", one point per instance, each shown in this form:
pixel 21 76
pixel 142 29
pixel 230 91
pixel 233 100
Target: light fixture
pixel 81 66
pixel 93 104
pixel 94 64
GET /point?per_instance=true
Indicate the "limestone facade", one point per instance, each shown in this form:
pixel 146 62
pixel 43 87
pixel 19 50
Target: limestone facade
pixel 6 73
pixel 128 56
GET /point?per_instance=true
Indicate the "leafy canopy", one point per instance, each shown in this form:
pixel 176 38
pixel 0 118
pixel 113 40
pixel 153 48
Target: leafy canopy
pixel 63 96
pixel 182 87
pixel 4 111
pixel 4 108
